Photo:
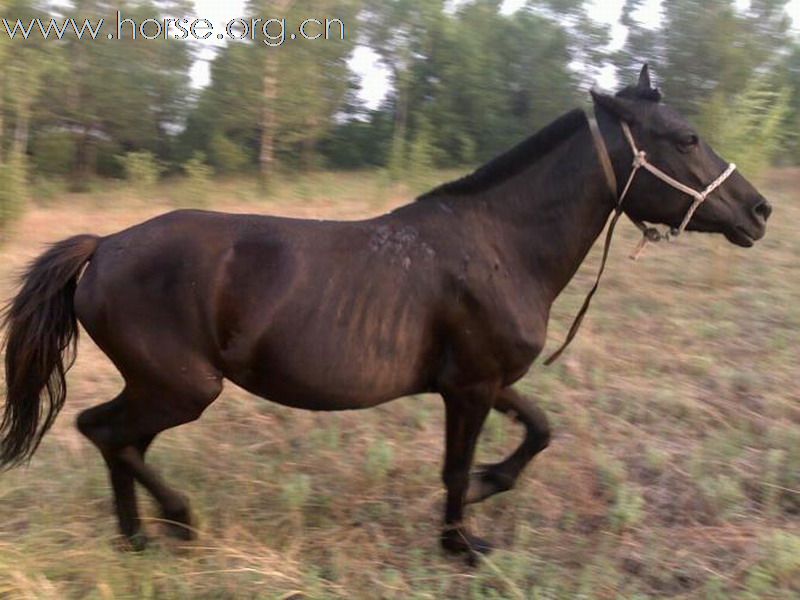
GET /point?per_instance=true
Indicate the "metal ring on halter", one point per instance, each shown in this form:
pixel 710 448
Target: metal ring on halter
pixel 654 235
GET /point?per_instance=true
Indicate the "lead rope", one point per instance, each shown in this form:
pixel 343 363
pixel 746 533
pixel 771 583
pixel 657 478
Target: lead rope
pixel 576 324
pixel 649 234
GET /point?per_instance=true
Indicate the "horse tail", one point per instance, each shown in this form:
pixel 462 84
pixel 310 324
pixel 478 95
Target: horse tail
pixel 41 336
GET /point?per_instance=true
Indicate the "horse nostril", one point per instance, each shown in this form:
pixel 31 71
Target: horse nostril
pixel 763 209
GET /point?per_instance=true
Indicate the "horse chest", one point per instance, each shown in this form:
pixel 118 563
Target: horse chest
pixel 496 334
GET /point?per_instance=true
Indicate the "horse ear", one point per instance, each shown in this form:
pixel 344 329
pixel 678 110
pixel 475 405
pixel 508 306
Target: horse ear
pixel 644 79
pixel 619 107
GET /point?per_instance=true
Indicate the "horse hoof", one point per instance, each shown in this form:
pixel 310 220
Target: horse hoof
pixel 180 532
pixel 460 541
pixel 131 543
pixel 179 524
pixel 487 481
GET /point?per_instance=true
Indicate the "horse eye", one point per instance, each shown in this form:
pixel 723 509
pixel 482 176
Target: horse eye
pixel 688 141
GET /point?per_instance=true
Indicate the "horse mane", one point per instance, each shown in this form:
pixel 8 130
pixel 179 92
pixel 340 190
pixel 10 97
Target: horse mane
pixel 513 161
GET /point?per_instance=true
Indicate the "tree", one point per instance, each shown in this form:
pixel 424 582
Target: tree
pixel 704 47
pixel 789 73
pixel 749 128
pixel 290 105
pixel 230 108
pixel 22 72
pixel 304 81
pixel 402 33
pixel 482 79
pixel 118 95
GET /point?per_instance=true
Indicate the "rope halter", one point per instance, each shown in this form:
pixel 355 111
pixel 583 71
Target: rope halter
pixel 651 234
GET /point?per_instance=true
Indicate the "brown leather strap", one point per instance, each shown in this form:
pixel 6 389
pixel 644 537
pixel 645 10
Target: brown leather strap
pixel 602 154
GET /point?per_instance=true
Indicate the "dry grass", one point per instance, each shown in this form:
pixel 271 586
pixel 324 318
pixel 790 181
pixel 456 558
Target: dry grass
pixel 675 469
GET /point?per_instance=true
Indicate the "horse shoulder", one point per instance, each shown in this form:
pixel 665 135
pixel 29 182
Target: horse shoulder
pixel 496 319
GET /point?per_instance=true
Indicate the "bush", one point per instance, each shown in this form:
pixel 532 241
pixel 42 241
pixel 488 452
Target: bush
pixel 107 159
pixel 226 155
pixel 53 153
pixel 197 169
pixel 724 495
pixel 397 157
pixel 628 509
pixel 295 491
pixel 748 129
pixel 421 155
pixel 194 190
pixel 13 191
pixel 141 169
pixel 46 189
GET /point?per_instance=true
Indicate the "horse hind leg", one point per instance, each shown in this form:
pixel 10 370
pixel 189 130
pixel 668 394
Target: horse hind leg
pixel 122 430
pixel 97 424
pixel 492 479
pixel 175 509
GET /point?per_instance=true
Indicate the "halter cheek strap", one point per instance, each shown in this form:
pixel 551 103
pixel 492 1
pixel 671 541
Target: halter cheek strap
pixel 649 234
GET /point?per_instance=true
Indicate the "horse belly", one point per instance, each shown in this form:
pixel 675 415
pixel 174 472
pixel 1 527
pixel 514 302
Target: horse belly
pixel 331 386
pixel 329 371
pixel 338 338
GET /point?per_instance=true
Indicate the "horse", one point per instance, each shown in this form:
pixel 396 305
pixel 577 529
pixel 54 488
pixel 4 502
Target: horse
pixel 448 294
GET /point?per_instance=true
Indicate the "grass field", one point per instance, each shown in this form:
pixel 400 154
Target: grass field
pixel 674 469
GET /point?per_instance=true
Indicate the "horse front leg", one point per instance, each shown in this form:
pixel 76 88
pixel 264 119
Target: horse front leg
pixel 465 413
pixel 500 477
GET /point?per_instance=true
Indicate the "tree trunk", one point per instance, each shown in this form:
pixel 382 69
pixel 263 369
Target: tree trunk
pixel 309 145
pixel 19 146
pixel 85 160
pixel 397 157
pixel 2 112
pixel 266 159
pixel 269 115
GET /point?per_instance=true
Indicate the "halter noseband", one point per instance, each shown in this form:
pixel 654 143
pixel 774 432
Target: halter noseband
pixel 649 234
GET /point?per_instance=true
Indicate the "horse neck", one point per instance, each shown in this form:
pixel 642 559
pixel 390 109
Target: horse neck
pixel 552 212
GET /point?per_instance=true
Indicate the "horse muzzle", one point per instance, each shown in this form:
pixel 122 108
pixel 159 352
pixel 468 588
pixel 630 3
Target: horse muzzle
pixel 753 227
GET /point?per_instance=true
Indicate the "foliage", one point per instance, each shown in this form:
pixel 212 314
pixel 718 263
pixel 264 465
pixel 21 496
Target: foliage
pixel 226 155
pixel 13 190
pixel 398 157
pixel 467 81
pixel 485 79
pixel 195 188
pixel 362 140
pixel 788 74
pixel 53 152
pixel 197 170
pixel 141 169
pixel 693 50
pixel 750 129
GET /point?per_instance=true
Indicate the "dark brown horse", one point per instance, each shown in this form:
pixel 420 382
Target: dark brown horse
pixel 449 294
